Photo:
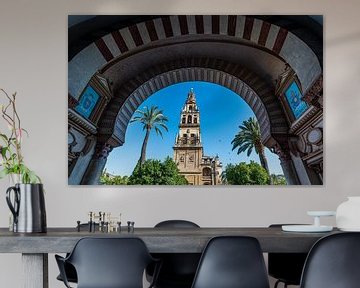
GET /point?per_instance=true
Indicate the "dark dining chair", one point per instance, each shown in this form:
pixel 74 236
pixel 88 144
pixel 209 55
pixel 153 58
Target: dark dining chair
pixel 70 271
pixel 178 269
pixel 108 263
pixel 333 262
pixel 286 267
pixel 232 262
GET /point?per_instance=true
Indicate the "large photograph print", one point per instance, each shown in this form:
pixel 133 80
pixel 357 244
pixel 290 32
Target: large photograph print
pixel 195 100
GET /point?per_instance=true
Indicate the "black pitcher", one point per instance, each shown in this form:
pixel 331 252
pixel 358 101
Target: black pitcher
pixel 28 208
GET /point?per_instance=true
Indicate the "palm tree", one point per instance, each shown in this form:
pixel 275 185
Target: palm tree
pixel 150 118
pixel 248 138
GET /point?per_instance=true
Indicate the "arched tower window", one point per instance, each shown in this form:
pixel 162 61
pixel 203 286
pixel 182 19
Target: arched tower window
pixel 189 119
pixel 183 120
pixel 190 108
pixel 195 120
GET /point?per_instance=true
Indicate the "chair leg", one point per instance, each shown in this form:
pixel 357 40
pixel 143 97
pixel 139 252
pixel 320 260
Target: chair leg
pixel 279 281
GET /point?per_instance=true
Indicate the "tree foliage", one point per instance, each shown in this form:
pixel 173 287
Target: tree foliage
pixel 278 179
pixel 155 172
pixel 248 139
pixel 246 174
pixel 107 179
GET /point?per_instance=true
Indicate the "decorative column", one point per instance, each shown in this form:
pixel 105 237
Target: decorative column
pixel 80 152
pixel 85 157
pixel 97 164
pixel 314 96
pixel 287 165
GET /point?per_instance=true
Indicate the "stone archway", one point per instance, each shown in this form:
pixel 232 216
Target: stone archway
pixel 241 53
pixel 245 29
pixel 270 117
pixel 163 80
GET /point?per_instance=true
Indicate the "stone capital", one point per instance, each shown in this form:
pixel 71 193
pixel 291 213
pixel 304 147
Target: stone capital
pixel 102 150
pixel 314 96
pixel 283 153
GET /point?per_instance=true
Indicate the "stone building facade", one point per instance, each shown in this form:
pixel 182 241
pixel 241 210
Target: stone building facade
pixel 197 168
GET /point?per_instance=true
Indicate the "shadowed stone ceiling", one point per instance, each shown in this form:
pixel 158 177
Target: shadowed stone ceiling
pixel 85 29
pixel 262 63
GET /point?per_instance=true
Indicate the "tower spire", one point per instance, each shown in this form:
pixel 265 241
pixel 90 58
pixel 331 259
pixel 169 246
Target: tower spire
pixel 191 96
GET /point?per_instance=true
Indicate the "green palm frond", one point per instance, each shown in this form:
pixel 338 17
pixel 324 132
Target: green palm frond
pixel 158 131
pixel 248 137
pixel 163 125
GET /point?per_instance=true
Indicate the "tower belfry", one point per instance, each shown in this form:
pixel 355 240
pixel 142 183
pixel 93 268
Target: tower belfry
pixel 189 127
pixel 188 149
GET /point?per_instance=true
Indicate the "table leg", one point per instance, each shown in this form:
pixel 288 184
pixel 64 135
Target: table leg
pixel 35 270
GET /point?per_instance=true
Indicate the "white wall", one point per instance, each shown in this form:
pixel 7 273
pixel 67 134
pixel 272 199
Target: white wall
pixel 33 62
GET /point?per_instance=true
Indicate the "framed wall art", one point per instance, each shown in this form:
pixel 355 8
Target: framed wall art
pixel 195 100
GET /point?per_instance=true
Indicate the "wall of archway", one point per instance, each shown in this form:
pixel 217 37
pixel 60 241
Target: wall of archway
pixel 246 29
pixel 112 129
pixel 166 79
pixel 147 77
pixel 144 78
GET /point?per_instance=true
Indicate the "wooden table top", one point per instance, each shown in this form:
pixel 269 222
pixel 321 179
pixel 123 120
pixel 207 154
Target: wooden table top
pixel 158 240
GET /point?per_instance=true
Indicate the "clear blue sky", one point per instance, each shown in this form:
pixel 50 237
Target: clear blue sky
pixel 221 113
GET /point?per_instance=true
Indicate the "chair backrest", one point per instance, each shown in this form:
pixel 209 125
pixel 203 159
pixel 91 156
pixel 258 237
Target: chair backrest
pixel 286 266
pixel 110 262
pixel 178 269
pixel 232 262
pixel 333 262
pixel 176 224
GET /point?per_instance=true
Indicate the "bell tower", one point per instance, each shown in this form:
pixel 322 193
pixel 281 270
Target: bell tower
pixel 188 149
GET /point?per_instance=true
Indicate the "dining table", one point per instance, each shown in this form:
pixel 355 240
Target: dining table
pixel 35 247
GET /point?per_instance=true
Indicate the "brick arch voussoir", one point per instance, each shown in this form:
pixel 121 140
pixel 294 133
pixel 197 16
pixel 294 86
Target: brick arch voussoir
pixel 256 32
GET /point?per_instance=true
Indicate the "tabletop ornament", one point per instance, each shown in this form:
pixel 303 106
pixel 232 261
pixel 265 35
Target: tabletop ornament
pixel 130 226
pixel 315 227
pixel 104 222
pixel 25 197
